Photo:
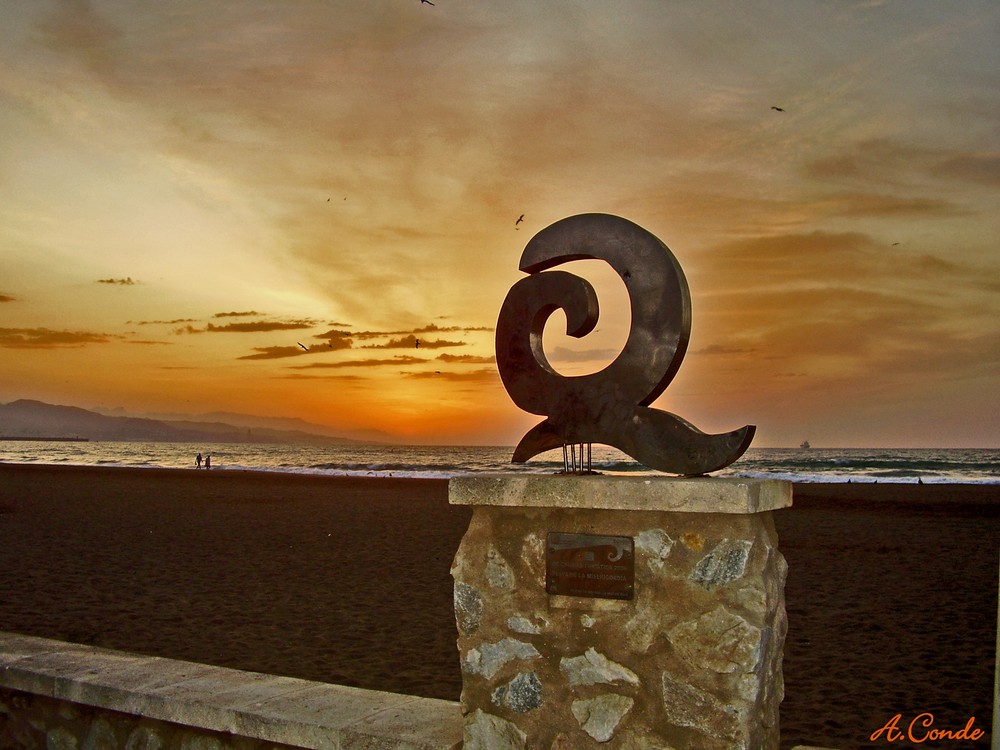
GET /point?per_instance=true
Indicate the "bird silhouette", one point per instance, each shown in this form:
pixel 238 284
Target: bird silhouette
pixel 416 344
pixel 519 220
pixel 777 109
pixel 426 1
pixel 304 347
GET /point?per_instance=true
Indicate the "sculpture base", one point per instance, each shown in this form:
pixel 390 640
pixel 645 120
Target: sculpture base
pixel 692 660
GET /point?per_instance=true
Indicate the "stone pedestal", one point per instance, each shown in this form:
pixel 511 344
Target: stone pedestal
pixel 691 662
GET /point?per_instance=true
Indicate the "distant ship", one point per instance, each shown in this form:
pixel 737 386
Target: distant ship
pixel 804 445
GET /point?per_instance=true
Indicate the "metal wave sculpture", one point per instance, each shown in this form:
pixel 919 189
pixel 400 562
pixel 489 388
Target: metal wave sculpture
pixel 610 406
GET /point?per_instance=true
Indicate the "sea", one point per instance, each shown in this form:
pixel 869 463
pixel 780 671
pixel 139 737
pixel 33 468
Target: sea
pixel 903 465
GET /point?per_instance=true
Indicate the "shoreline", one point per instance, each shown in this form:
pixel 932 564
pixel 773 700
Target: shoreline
pixel 891 592
pixel 861 489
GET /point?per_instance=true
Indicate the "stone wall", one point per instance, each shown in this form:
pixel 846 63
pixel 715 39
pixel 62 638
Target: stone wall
pixel 65 696
pixel 33 722
pixel 691 662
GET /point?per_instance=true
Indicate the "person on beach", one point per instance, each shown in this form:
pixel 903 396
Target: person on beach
pixel 208 462
pixel 197 460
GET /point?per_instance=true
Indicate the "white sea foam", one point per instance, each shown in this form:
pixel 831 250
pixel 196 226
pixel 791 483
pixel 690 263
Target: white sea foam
pixel 442 462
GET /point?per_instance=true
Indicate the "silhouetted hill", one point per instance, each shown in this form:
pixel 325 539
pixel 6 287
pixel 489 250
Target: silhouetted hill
pixel 35 419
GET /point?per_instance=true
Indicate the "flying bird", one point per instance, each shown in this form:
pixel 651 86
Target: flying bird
pixel 304 347
pixel 519 220
pixel 777 109
pixel 416 343
pixel 426 1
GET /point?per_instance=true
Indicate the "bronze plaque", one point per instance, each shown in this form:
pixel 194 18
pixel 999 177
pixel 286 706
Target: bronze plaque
pixel 590 565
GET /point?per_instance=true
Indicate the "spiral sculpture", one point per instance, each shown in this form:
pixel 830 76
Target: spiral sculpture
pixel 611 406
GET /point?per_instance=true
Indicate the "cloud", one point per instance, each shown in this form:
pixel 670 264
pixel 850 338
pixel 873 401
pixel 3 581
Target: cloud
pixel 430 328
pixel 886 206
pixel 154 343
pixel 485 375
pixel 817 258
pixel 283 352
pixel 6 298
pixel 247 314
pixel 983 168
pixel 259 326
pixel 274 352
pixel 160 322
pixel 336 339
pixel 714 349
pixel 410 342
pixel 127 281
pixel 889 161
pixel 45 338
pixel 400 359
pixel 471 359
pixel 339 378
pixel 75 28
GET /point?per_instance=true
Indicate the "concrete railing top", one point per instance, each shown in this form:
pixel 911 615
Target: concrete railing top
pixel 657 493
pixel 267 707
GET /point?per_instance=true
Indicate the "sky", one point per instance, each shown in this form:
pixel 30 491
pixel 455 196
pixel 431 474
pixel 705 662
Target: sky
pixel 260 207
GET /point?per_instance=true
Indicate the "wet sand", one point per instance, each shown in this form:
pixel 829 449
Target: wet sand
pixel 891 594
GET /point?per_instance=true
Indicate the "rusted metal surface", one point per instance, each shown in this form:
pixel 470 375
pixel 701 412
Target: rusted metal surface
pixel 610 406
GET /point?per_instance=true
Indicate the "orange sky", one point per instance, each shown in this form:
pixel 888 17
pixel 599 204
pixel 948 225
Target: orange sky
pixel 188 190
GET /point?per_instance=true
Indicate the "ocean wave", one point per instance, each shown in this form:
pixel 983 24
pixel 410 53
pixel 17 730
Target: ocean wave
pixel 964 466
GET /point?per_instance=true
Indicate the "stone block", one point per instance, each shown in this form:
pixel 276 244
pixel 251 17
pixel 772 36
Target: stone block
pixel 692 661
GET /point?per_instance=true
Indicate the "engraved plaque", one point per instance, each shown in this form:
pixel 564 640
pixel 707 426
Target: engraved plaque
pixel 590 565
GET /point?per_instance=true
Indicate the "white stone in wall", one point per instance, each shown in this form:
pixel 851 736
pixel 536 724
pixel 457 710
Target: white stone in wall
pixel 488 732
pixel 599 717
pixel 719 641
pixel 498 572
pixel 523 625
pixel 490 658
pixel 655 545
pixel 100 737
pixel 726 562
pixel 192 741
pixel 468 608
pixel 59 739
pixel 688 706
pixel 144 738
pixel 592 668
pixel 521 694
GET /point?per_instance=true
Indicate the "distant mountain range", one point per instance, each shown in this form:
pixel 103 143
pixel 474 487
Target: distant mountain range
pixel 27 419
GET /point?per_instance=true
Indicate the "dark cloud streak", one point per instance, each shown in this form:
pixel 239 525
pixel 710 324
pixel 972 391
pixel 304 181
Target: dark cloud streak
pixel 410 342
pixel 45 338
pixel 397 360
pixel 255 327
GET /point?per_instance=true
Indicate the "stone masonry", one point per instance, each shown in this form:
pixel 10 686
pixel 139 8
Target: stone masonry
pixel 692 662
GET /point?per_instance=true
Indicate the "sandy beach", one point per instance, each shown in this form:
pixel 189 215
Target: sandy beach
pixel 891 593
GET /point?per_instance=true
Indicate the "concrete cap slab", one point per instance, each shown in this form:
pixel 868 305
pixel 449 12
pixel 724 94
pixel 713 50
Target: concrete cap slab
pixel 267 707
pixel 674 494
